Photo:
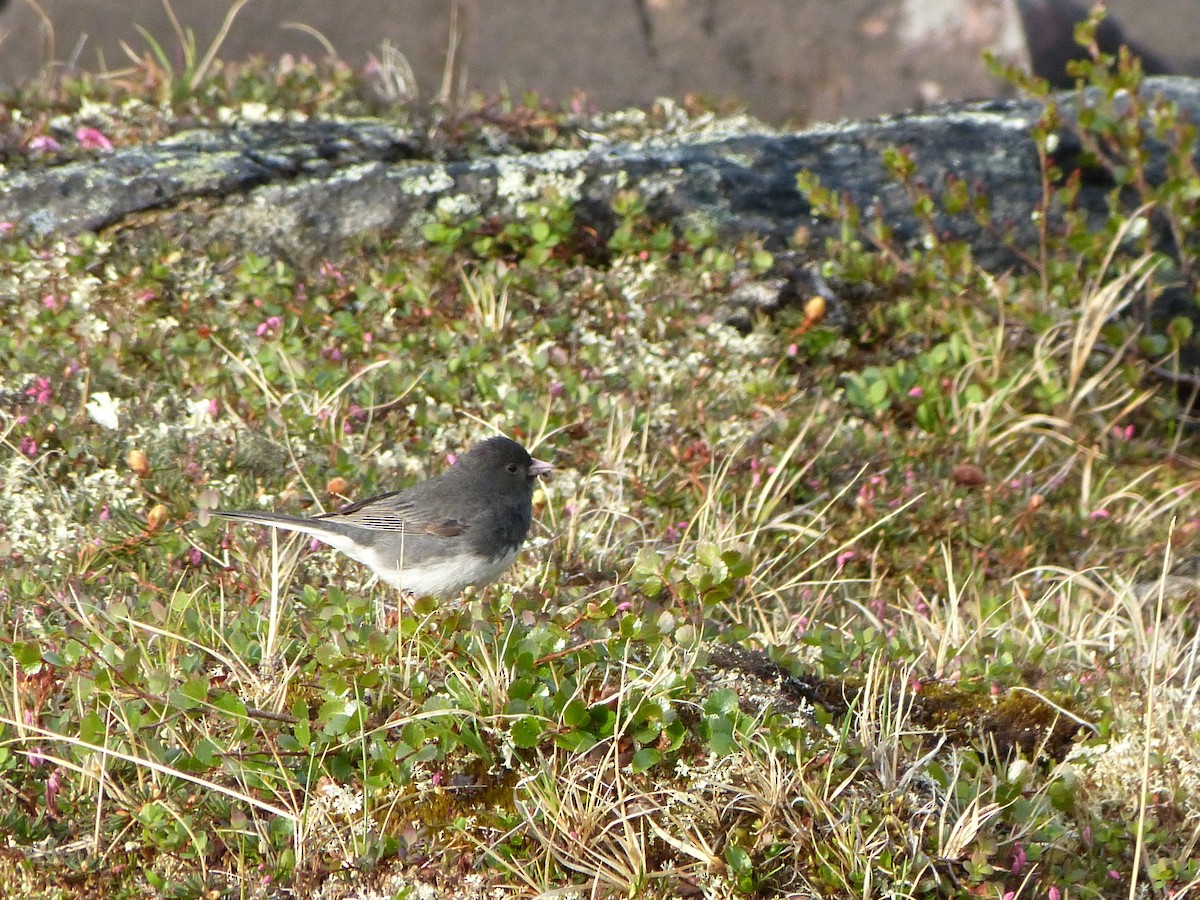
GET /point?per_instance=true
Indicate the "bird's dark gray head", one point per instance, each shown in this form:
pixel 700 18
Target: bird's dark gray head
pixel 503 460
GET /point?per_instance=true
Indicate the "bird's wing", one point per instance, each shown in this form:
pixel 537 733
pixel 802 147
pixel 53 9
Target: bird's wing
pixel 396 511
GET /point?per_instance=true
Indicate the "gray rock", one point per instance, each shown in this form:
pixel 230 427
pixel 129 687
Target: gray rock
pixel 305 191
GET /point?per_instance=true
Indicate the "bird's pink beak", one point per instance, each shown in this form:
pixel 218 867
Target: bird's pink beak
pixel 540 468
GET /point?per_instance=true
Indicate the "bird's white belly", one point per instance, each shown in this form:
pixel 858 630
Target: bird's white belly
pixel 445 578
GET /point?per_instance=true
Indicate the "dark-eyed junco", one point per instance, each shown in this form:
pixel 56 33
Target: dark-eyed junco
pixel 436 538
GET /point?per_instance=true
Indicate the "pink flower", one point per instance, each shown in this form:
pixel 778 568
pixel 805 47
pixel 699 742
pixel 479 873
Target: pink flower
pixel 1100 514
pixel 6 227
pixel 793 349
pixel 105 513
pixel 675 532
pixel 92 139
pixel 1054 894
pixel 41 142
pixel 270 327
pixel 844 557
pixel 29 447
pixel 916 392
pixel 1122 434
pixel 53 785
pixel 40 391
pixel 1019 858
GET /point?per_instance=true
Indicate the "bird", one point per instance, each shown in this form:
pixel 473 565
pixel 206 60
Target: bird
pixel 438 537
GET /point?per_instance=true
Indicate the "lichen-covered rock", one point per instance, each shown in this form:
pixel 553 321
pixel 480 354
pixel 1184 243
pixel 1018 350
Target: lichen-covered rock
pixel 306 191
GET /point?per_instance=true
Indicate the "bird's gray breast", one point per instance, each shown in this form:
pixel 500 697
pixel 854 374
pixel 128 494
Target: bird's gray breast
pixel 501 530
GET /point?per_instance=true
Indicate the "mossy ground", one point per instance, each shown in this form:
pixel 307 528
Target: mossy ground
pixel 939 537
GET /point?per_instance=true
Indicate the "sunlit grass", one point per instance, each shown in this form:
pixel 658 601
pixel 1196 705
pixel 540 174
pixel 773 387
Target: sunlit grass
pixel 888 611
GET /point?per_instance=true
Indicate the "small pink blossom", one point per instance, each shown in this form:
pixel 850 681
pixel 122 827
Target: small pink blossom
pixel 40 391
pixel 1100 514
pixel 556 389
pixel 450 458
pixel 793 349
pixel 43 142
pixel 676 531
pixel 1019 858
pixel 1054 894
pixel 368 337
pixel 105 513
pixel 92 139
pixel 6 227
pixel 1122 434
pixel 920 604
pixel 1114 874
pixel 624 606
pixel 844 557
pixel 916 392
pixel 270 327
pixel 51 302
pixel 29 447
pixel 329 270
pixel 195 557
pixel 53 786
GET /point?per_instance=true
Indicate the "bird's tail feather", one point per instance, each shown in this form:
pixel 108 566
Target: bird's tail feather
pixel 276 520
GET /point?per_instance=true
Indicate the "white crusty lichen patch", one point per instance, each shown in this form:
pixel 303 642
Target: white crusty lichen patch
pixel 559 174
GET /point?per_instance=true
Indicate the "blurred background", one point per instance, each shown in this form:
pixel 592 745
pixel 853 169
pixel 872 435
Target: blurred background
pixel 786 61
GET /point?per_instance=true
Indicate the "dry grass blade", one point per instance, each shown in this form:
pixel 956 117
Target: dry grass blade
pixel 25 730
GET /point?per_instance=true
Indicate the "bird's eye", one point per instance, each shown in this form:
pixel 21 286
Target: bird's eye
pixel 512 468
